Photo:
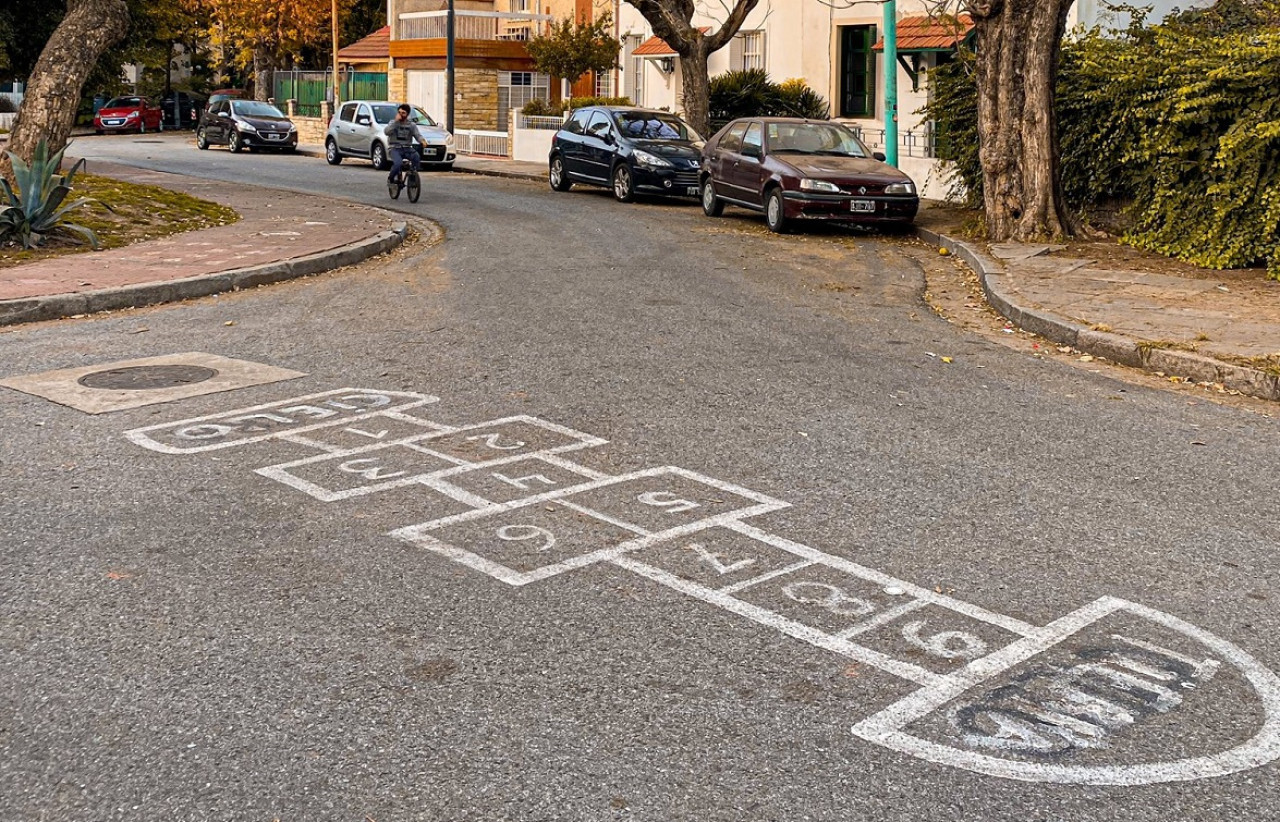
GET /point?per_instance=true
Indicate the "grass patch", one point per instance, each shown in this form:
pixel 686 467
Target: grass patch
pixel 142 212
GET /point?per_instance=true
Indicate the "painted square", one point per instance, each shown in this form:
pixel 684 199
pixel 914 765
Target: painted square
pixel 147 381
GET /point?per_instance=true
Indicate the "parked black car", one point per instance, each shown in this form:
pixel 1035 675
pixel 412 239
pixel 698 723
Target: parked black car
pixel 241 124
pixel 181 110
pixel 631 150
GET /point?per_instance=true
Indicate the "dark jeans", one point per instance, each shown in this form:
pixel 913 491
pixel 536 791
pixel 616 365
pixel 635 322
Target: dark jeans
pixel 399 154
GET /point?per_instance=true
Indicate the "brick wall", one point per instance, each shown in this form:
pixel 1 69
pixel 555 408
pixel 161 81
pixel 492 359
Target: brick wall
pixel 397 85
pixel 311 130
pixel 476 103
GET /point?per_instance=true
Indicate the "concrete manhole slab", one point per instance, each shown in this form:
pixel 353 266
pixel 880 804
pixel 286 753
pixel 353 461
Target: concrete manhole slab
pixel 97 389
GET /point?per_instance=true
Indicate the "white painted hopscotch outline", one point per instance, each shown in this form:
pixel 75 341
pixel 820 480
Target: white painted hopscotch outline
pixel 420 442
pixel 421 535
pixel 141 436
pixel 886 727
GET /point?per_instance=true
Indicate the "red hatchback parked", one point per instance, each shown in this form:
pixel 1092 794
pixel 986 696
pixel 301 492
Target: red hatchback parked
pixel 795 170
pixel 128 114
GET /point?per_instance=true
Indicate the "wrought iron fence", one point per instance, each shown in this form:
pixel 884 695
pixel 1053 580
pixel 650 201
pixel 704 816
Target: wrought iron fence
pixel 491 143
pixel 539 123
pixel 913 143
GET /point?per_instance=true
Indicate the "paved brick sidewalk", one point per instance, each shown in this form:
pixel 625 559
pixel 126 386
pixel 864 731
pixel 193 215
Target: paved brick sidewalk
pixel 274 226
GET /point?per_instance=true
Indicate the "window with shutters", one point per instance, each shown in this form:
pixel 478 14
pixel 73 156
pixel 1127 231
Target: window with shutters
pixel 746 51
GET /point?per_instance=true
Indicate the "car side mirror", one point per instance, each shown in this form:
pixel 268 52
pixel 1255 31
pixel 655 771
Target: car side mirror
pixel 363 121
pixel 223 114
pixel 752 151
pixel 609 137
pixel 878 155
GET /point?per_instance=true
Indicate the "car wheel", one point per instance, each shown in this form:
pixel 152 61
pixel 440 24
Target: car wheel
pixel 557 177
pixel 331 154
pixel 624 189
pixel 235 143
pixel 712 206
pixel 378 156
pixel 775 215
pixel 202 139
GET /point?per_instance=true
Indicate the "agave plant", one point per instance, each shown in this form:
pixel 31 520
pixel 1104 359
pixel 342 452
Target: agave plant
pixel 38 206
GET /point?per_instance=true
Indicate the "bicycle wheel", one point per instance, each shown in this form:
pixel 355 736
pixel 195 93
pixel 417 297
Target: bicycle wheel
pixel 414 184
pixel 393 188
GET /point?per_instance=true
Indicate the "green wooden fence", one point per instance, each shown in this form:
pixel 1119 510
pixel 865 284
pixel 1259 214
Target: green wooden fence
pixel 311 88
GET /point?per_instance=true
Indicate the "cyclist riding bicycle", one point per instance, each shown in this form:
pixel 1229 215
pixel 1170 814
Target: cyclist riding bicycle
pixel 402 141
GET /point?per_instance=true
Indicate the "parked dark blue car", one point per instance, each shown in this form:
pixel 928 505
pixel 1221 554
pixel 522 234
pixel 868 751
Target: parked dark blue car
pixel 630 150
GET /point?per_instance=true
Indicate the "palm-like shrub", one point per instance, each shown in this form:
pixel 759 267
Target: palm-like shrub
pixel 750 93
pixel 37 205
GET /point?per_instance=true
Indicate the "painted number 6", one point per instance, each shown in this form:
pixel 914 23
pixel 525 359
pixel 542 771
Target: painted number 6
pixel 519 533
pixel 946 644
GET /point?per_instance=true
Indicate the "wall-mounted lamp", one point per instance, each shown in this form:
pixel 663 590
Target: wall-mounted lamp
pixel 667 64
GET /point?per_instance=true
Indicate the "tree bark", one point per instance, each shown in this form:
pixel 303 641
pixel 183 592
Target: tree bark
pixel 264 69
pixel 48 110
pixel 672 20
pixel 1019 44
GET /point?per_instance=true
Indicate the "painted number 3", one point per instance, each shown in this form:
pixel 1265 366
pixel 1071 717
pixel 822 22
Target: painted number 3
pixel 520 533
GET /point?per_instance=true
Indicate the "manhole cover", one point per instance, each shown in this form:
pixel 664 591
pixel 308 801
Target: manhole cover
pixel 147 376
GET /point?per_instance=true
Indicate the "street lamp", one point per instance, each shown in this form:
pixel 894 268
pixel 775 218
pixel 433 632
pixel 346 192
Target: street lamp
pixel 450 35
pixel 337 94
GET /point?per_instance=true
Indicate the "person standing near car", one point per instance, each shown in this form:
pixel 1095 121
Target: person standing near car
pixel 402 137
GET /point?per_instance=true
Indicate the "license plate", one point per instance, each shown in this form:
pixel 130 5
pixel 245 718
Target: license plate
pixel 863 206
pixel 275 136
pixel 113 122
pixel 692 191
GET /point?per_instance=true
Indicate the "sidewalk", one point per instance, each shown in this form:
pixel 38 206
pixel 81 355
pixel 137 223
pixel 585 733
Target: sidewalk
pixel 280 235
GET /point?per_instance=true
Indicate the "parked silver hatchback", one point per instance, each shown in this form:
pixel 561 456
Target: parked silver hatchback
pixel 357 131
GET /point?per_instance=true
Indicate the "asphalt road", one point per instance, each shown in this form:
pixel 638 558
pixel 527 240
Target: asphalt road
pixel 881 585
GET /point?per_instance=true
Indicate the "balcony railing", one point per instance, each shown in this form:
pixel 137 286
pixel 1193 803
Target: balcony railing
pixel 468 25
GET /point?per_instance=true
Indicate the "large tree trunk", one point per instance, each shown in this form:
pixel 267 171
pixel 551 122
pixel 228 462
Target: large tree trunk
pixel 264 70
pixel 1019 43
pixel 696 91
pixel 672 20
pixel 48 110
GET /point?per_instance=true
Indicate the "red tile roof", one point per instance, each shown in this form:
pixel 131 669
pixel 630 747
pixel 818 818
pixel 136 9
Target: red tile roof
pixel 657 47
pixel 930 34
pixel 376 46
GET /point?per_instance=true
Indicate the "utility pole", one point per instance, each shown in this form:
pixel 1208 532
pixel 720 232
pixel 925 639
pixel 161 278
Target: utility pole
pixel 337 93
pixel 891 82
pixel 450 34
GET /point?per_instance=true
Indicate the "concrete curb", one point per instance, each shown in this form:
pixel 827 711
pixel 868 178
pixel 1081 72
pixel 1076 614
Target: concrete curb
pixel 1114 347
pixel 60 306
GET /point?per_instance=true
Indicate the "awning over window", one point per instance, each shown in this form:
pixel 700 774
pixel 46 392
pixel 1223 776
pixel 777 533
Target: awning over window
pixel 657 47
pixel 930 34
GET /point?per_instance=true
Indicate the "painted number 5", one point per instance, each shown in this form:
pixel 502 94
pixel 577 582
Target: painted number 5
pixel 519 533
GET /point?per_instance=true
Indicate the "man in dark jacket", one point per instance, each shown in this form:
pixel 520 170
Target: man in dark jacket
pixel 402 136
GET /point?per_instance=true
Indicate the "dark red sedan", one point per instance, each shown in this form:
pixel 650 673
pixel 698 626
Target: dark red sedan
pixel 128 114
pixel 795 170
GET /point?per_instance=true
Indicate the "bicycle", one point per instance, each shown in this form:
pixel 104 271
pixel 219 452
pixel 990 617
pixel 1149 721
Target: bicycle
pixel 408 178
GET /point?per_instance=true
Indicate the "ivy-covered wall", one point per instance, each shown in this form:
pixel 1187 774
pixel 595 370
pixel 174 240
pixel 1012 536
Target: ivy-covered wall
pixel 1180 120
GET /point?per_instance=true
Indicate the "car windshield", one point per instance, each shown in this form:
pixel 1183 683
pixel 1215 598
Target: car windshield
pixel 648 125
pixel 384 113
pixel 124 102
pixel 829 139
pixel 255 108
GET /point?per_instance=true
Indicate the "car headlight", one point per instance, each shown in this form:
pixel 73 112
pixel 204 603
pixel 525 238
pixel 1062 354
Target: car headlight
pixel 292 128
pixel 648 160
pixel 247 126
pixel 819 185
pixel 133 115
pixel 907 187
pixel 448 139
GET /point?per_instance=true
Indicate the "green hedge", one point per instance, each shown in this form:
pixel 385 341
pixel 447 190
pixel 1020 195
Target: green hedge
pixel 1182 120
